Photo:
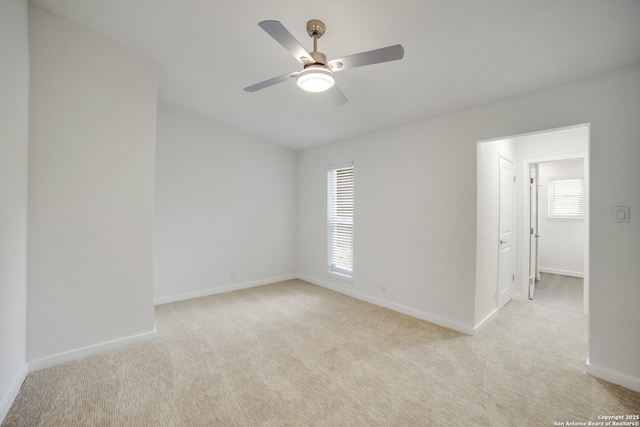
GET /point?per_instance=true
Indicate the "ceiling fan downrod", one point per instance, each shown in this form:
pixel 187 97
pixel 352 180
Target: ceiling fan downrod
pixel 316 29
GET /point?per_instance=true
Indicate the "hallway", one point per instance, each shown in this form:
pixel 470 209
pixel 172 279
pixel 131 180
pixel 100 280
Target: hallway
pixel 561 291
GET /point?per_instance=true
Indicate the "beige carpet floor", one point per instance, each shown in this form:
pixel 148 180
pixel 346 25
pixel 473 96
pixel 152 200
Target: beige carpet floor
pixel 562 291
pixel 296 354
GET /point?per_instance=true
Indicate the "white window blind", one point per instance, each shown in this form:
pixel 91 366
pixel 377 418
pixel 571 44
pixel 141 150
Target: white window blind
pixel 566 198
pixel 340 219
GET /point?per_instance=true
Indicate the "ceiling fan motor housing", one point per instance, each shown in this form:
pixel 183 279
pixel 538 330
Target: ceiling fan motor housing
pixel 319 58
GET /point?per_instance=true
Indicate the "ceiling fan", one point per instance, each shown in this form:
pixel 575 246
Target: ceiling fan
pixel 317 74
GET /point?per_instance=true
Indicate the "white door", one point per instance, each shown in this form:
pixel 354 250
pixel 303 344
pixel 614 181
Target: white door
pixel 506 270
pixel 533 229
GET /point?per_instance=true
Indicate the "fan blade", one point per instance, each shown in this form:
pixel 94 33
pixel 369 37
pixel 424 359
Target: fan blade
pixel 337 97
pixel 376 56
pixel 276 30
pixel 270 82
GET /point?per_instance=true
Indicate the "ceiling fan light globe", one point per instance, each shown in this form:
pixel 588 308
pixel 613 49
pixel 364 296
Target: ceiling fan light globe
pixel 315 79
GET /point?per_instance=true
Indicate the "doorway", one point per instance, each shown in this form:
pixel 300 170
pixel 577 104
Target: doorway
pixel 557 232
pixel 525 151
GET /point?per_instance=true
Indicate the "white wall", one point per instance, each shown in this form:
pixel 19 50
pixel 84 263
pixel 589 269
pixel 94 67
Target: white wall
pixel 225 206
pixel 415 223
pixel 14 139
pixel 410 229
pixel 561 241
pixel 91 185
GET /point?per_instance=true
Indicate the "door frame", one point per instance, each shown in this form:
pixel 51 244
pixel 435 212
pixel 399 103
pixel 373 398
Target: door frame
pixel 523 241
pixel 534 258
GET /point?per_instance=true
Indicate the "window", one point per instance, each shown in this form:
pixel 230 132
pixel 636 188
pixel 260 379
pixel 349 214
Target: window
pixel 566 198
pixel 340 219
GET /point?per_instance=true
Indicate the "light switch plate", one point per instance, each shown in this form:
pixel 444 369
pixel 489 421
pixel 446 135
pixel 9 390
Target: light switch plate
pixel 621 213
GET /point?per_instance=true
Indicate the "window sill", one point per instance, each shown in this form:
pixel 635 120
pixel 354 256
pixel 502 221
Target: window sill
pixel 340 276
pixel 561 218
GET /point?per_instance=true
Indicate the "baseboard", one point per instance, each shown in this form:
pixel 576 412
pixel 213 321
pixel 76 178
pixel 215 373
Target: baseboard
pixel 613 377
pixel 393 306
pixel 8 399
pixel 81 353
pixel 213 291
pixel 484 322
pixel 562 272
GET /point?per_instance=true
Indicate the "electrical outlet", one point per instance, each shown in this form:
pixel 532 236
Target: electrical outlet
pixel 383 288
pixel 232 274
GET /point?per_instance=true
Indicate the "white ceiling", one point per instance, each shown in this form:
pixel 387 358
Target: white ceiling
pixel 458 54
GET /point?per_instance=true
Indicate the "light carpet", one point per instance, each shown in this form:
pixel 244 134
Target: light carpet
pixel 292 353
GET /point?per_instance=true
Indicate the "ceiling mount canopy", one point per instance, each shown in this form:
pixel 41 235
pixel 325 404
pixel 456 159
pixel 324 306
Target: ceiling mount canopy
pixel 317 75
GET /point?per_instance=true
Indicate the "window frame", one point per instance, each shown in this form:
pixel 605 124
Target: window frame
pixel 552 198
pixel 344 273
